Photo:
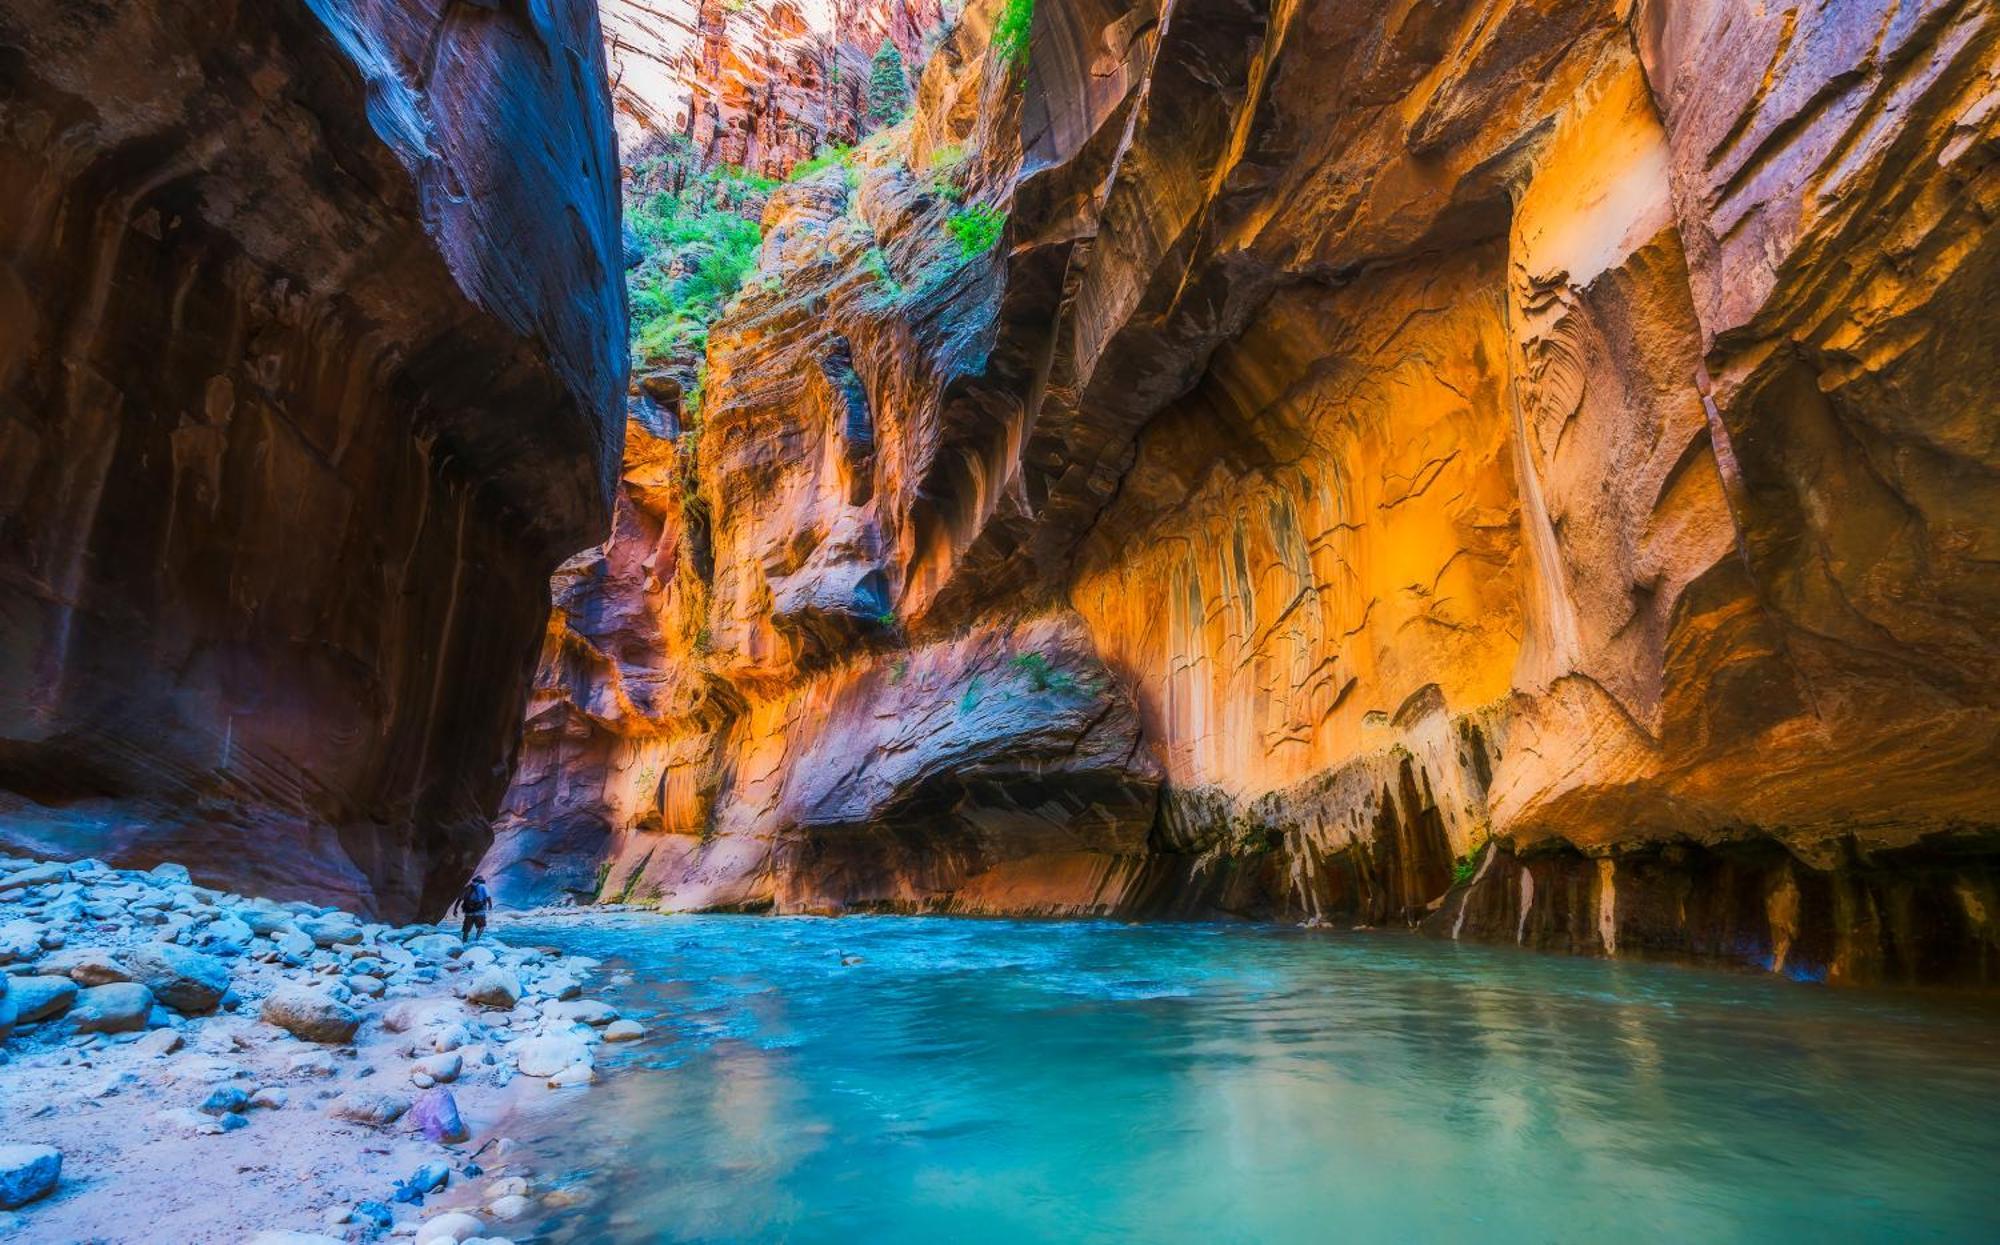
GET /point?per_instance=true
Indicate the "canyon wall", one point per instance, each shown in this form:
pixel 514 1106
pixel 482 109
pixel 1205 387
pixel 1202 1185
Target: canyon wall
pixel 1521 468
pixel 312 357
pixel 759 84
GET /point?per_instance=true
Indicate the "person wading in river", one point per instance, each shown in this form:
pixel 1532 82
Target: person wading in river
pixel 475 901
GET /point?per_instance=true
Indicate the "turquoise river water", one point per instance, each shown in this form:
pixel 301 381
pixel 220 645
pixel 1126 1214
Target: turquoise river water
pixel 975 1081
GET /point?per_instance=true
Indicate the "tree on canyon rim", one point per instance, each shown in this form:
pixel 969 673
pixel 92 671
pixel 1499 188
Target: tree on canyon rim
pixel 888 88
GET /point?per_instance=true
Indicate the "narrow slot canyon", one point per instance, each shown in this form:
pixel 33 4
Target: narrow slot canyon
pixel 1341 532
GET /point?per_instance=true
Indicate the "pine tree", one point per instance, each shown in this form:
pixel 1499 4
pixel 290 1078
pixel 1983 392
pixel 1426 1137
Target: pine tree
pixel 888 89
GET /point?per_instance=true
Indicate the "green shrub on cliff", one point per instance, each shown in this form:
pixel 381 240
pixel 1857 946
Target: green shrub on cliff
pixel 976 229
pixel 1463 869
pixel 700 242
pixel 1011 32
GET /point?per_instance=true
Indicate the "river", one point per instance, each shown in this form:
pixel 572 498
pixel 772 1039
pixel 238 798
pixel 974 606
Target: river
pixel 909 1079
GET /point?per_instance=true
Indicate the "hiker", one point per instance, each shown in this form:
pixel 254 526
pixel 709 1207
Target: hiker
pixel 475 902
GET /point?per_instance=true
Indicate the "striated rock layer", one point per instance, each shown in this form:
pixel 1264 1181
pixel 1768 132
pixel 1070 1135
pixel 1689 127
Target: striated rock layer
pixel 313 333
pixel 760 84
pixel 1519 467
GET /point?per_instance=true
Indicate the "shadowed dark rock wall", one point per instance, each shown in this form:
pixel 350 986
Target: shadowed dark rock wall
pixel 312 354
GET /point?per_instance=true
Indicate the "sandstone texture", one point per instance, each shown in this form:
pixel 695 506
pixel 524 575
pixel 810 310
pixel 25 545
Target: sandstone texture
pixel 1520 468
pixel 310 375
pixel 759 84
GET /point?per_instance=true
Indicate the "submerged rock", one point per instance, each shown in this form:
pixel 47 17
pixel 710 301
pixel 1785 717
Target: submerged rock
pixel 424 1181
pixel 511 1207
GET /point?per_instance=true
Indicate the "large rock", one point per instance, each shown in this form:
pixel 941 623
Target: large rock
pixel 449 1228
pixel 187 981
pixel 442 1068
pixel 87 966
pixel 383 243
pixel 436 1117
pixel 310 1014
pixel 331 930
pixel 20 941
pixel 27 1172
pixel 38 873
pixel 494 987
pixel 593 1012
pixel 120 1007
pixel 41 998
pixel 550 1054
pixel 376 1110
pixel 436 948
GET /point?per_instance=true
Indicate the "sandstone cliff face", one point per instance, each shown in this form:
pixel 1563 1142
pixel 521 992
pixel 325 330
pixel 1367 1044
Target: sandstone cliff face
pixel 1541 436
pixel 313 333
pixel 759 84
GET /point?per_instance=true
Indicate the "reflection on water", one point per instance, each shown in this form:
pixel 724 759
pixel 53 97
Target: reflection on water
pixel 1006 1081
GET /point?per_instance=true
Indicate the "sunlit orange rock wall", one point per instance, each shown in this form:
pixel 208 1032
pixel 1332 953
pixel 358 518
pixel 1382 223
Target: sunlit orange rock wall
pixel 310 347
pixel 1551 433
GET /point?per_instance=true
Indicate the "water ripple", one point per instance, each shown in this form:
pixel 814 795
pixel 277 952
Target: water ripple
pixel 1018 1081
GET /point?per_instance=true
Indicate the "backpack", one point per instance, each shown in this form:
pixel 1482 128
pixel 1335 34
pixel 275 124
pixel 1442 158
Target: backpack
pixel 475 900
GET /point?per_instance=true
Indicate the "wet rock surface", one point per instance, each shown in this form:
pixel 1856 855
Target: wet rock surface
pixel 288 1071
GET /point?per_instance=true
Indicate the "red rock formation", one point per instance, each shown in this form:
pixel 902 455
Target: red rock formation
pixel 1552 424
pixel 761 84
pixel 312 328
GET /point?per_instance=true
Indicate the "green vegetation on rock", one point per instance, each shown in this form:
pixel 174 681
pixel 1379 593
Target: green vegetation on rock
pixel 700 237
pixel 825 158
pixel 976 229
pixel 888 88
pixel 1042 677
pixel 1011 32
pixel 1463 869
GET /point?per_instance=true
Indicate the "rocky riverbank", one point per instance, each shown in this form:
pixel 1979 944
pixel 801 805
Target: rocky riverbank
pixel 179 1063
